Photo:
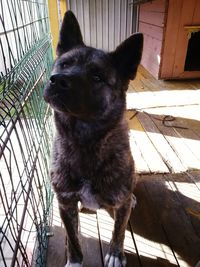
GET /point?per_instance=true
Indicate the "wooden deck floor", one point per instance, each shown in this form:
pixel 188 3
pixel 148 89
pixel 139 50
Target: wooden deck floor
pixel 165 131
pixel 164 228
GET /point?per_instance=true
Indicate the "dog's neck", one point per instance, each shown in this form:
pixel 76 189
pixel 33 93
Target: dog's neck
pixel 84 132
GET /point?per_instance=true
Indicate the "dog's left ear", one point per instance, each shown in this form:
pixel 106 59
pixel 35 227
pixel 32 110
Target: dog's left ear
pixel 127 56
pixel 70 34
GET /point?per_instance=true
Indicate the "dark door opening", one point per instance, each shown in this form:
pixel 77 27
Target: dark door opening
pixel 192 62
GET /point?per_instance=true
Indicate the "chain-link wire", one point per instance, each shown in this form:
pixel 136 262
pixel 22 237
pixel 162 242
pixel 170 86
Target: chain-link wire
pixel 25 132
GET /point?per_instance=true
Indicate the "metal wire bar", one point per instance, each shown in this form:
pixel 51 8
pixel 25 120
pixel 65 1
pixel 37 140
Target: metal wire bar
pixel 25 132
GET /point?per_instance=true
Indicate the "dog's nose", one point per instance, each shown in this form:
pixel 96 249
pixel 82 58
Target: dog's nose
pixel 59 80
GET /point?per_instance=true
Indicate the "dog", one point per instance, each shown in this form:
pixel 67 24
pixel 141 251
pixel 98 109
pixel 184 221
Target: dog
pixel 91 158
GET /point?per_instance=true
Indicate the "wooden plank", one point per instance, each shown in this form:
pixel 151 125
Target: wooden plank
pixel 152 17
pixel 150 63
pixel 90 240
pixel 174 220
pixel 56 253
pixel 182 40
pixel 152 30
pixel 180 13
pixel 151 241
pixel 196 15
pixel 183 152
pixel 191 140
pixel 106 224
pixel 156 6
pixel 186 195
pixel 168 100
pixel 185 115
pixel 152 45
pixel 171 36
pixel 188 75
pixel 151 54
pixel 146 147
pixel 143 100
pixel 180 103
pixel 164 149
pixel 195 177
pixel 140 163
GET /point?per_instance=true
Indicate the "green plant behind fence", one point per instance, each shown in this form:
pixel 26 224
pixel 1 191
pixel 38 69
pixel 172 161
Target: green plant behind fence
pixel 25 132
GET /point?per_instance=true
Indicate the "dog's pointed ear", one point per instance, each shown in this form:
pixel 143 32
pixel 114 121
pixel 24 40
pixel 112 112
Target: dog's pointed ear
pixel 70 34
pixel 127 56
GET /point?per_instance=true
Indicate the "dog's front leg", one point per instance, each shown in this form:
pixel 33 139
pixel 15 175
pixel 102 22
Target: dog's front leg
pixel 116 257
pixel 69 215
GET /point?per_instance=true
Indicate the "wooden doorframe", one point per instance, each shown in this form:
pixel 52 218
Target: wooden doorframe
pixel 180 13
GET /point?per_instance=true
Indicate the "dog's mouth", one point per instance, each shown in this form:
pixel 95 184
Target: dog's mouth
pixel 50 98
pixel 58 104
pixel 74 103
pixel 55 100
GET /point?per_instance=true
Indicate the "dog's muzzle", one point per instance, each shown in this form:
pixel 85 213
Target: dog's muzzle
pixel 59 81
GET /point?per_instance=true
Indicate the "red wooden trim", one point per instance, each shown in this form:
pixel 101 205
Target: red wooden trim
pixel 182 41
pixel 170 38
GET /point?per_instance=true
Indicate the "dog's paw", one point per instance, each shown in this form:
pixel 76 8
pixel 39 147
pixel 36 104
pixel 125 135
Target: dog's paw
pixel 115 261
pixel 70 264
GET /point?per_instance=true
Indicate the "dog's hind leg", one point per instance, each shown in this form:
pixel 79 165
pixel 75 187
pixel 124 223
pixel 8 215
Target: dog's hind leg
pixel 115 256
pixel 69 215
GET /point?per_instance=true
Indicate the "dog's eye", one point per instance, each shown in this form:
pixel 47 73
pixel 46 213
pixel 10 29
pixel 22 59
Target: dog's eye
pixel 64 65
pixel 96 78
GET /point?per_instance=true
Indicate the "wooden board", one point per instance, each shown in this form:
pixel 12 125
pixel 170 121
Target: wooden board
pixel 179 147
pixel 141 165
pixel 150 238
pixel 162 146
pixel 56 253
pixel 148 151
pixel 163 230
pixel 151 23
pixel 180 14
pixel 169 49
pixel 170 211
pixel 184 201
pixel 106 224
pixel 92 254
pixel 154 6
pixel 182 40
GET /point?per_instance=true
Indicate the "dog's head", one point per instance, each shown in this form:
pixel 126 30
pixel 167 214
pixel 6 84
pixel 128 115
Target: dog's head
pixel 86 82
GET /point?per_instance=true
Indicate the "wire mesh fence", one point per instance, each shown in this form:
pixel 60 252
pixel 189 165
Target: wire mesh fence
pixel 25 132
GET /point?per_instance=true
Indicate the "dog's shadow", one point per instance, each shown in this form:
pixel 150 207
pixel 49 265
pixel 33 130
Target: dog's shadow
pixel 165 226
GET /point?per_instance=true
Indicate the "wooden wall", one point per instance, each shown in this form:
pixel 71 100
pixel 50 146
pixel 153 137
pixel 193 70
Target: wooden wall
pixel 180 13
pixel 151 24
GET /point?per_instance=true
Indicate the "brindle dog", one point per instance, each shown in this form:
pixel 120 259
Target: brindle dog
pixel 92 161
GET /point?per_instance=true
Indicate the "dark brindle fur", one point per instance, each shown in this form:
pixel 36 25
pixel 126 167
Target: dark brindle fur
pixel 91 161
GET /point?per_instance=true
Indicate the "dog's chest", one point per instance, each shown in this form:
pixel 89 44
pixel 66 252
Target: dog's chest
pixel 88 198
